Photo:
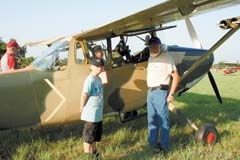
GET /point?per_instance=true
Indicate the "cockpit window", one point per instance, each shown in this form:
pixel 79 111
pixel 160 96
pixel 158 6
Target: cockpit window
pixel 54 58
pixel 79 56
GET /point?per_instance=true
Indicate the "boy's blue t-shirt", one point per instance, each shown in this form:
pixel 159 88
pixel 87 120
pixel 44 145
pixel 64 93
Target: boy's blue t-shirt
pixel 93 110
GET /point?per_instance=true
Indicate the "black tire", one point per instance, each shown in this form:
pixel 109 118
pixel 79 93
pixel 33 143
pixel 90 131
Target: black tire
pixel 208 134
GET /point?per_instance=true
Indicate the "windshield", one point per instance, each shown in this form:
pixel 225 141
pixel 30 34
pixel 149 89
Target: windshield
pixel 50 58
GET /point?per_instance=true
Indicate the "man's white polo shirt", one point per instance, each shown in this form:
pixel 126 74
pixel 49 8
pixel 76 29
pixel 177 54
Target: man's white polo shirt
pixel 159 70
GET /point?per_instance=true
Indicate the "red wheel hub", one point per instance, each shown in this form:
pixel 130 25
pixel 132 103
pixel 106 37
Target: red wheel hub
pixel 210 138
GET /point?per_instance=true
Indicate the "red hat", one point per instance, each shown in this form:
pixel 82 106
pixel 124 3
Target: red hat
pixel 12 43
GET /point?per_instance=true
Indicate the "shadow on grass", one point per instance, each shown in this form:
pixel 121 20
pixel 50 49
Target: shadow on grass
pixel 206 108
pixel 200 108
pixel 12 139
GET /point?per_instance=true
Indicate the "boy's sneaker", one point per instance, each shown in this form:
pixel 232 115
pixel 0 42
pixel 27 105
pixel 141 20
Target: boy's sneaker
pixel 91 156
pixel 95 155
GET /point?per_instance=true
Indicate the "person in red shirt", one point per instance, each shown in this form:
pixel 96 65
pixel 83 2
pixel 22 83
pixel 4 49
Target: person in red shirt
pixel 8 62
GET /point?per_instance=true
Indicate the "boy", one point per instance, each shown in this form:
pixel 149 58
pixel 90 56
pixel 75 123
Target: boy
pixel 91 107
pixel 98 51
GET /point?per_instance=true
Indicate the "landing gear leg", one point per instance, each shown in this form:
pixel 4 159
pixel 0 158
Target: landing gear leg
pixel 206 133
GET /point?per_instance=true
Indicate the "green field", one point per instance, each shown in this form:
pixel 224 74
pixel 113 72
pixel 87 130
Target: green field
pixel 129 140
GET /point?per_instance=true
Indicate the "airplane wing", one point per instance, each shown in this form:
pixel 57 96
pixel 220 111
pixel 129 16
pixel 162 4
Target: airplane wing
pixel 43 42
pixel 155 16
pixel 48 42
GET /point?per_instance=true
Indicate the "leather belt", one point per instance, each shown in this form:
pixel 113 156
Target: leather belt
pixel 161 87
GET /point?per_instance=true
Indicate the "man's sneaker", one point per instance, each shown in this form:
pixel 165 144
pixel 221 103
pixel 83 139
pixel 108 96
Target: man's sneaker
pixel 164 151
pixel 156 149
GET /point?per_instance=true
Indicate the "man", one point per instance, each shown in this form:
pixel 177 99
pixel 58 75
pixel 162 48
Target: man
pixel 91 107
pixel 8 62
pixel 161 68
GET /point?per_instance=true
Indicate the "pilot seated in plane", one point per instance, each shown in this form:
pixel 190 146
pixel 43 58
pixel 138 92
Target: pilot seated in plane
pixel 123 50
pixel 141 56
pixel 144 54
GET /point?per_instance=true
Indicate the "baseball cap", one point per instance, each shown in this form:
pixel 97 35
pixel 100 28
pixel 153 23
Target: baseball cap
pixel 97 48
pixel 12 43
pixel 98 62
pixel 154 40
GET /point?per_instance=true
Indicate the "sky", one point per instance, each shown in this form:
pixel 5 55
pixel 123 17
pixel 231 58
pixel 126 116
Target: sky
pixel 29 21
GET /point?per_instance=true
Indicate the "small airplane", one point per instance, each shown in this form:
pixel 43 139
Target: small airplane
pixel 47 92
pixel 229 67
pixel 230 70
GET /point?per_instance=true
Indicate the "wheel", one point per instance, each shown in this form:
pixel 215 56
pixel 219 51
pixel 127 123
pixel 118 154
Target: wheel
pixel 207 133
pixel 130 115
pixel 127 116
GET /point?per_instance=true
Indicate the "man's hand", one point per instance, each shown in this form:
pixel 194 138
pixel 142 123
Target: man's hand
pixel 170 98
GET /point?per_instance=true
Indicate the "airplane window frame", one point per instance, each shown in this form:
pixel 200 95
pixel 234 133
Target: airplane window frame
pixel 50 58
pixel 79 53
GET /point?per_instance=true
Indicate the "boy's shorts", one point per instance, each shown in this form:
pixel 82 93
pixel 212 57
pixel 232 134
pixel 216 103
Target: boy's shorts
pixel 92 132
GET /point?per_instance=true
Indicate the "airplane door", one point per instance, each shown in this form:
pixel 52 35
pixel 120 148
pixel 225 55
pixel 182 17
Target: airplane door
pixel 56 101
pixel 52 86
pixel 130 86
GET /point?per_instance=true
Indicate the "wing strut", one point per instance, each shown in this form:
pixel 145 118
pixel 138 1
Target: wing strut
pixel 210 51
pixel 197 43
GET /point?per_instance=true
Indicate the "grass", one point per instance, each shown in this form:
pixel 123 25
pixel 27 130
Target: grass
pixel 129 140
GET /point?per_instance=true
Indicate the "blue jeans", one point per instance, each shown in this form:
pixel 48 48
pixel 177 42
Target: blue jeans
pixel 158 118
